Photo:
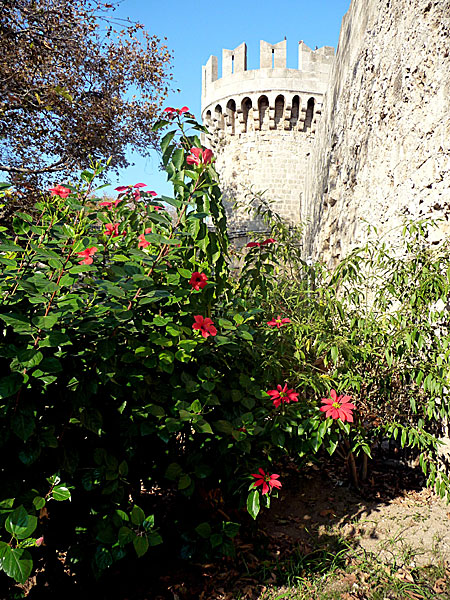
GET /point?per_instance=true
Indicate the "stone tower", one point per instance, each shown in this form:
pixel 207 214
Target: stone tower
pixel 262 124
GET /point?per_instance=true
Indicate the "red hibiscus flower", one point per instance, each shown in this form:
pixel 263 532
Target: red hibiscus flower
pixel 198 280
pixel 112 229
pixel 87 255
pixel 143 243
pixel 278 322
pixel 199 156
pixel 205 326
pixel 60 191
pixel 253 245
pixel 282 395
pixel 338 407
pixel 267 481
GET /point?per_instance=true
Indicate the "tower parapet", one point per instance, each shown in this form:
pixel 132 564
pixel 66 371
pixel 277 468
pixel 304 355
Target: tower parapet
pixel 262 122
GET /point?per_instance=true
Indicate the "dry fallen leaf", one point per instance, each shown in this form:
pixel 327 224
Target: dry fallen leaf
pixel 326 512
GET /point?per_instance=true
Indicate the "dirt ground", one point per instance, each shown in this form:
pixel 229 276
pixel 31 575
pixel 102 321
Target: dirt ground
pixel 392 516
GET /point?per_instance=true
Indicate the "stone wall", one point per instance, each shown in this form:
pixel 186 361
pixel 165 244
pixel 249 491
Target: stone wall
pixel 273 162
pixel 382 148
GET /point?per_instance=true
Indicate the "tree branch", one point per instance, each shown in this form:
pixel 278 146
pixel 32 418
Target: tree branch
pixel 58 166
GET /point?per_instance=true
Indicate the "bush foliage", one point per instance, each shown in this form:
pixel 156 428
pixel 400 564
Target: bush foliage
pixel 135 365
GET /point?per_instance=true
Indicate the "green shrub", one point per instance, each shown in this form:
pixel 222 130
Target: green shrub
pixel 134 366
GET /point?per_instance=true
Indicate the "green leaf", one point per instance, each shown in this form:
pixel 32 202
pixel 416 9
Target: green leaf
pixel 154 538
pixel 23 424
pixel 231 529
pixel 126 535
pixel 45 322
pixel 16 562
pixel 50 365
pixel 173 471
pixel 216 540
pixel 224 426
pixel 20 524
pixel 159 124
pixel 149 522
pixel 106 348
pixel 92 420
pixel 140 544
pixel 334 354
pixel 102 558
pixel 10 385
pixel 253 503
pixel 184 482
pixel 185 273
pixel 123 468
pixel 203 426
pixel 137 515
pixel 178 158
pixel 403 438
pixel 30 358
pixel 5 247
pixel 19 323
pixel 38 502
pixel 166 141
pixel 203 530
pixel 60 493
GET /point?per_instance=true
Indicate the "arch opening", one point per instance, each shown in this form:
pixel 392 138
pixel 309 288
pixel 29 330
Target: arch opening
pixel 295 112
pixel 246 106
pixel 309 114
pixel 279 111
pixel 263 107
pixel 218 116
pixel 231 116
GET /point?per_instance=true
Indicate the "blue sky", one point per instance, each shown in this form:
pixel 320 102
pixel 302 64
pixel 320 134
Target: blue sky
pixel 195 30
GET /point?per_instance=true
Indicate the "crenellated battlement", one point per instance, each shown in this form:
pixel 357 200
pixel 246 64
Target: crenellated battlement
pixel 251 100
